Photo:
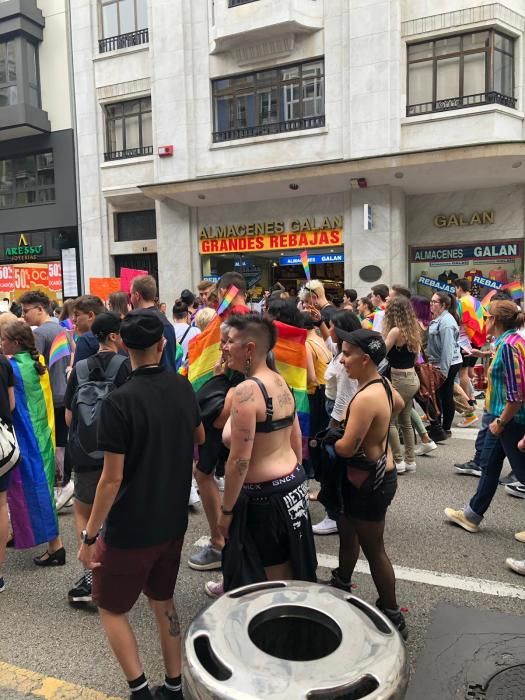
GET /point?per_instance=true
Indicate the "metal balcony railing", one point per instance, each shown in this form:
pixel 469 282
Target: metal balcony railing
pixel 123 41
pixel 236 3
pixel 480 98
pixel 129 153
pixel 265 129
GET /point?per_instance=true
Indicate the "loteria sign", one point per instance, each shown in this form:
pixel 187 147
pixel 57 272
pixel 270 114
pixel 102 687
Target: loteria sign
pixel 282 241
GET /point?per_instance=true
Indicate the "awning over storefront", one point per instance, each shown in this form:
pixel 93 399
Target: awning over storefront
pixel 430 171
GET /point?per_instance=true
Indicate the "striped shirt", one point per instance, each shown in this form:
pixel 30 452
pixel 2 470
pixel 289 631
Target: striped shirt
pixel 506 380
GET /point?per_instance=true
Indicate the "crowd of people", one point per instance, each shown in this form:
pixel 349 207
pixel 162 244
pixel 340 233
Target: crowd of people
pixel 107 420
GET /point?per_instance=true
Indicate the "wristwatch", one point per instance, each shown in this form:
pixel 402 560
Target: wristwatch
pixel 501 423
pixel 88 540
pixel 226 512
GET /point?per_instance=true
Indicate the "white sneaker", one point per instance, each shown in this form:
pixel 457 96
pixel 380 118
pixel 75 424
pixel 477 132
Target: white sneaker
pixel 219 480
pixel 64 494
pixel 194 496
pixel 425 448
pixel 325 527
pixel 410 466
pixel 401 467
pixel 516 565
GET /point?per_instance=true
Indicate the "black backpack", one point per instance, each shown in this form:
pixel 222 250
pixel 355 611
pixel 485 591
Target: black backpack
pixel 93 386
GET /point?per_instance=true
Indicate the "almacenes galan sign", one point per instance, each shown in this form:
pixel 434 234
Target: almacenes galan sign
pixel 478 251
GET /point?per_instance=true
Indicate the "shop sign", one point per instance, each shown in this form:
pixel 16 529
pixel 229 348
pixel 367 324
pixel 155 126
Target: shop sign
pixel 54 271
pixel 440 286
pixel 479 251
pixel 314 259
pixel 7 278
pixel 268 228
pixel 283 241
pixel 487 282
pixel 478 218
pixel 24 251
pixel 211 278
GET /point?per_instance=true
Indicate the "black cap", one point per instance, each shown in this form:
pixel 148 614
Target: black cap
pixel 104 324
pixel 141 329
pixel 370 342
pixel 187 297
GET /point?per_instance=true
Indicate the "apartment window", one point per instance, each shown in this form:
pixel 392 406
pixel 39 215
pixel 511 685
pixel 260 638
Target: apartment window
pixel 27 180
pixel 123 23
pixel 128 129
pixel 136 226
pixel 8 86
pixel 272 101
pixel 461 71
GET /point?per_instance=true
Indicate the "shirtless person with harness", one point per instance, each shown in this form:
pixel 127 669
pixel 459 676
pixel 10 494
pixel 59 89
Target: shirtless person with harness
pixel 265 519
pixel 369 477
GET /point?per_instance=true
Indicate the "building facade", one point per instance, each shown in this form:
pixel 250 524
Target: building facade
pixel 385 137
pixel 38 203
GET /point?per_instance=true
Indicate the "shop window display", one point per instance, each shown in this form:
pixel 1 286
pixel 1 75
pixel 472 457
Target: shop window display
pixel 486 265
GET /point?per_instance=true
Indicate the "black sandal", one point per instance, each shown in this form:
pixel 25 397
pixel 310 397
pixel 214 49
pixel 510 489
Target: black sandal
pixel 57 558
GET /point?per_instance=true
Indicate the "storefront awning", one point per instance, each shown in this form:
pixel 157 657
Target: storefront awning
pixel 421 172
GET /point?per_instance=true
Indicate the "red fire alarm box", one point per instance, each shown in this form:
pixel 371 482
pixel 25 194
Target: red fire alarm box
pixel 165 151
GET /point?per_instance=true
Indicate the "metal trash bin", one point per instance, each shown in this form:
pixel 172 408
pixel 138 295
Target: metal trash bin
pixel 293 641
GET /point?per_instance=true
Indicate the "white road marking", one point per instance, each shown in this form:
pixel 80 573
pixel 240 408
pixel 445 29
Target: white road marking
pixel 465 433
pixel 429 578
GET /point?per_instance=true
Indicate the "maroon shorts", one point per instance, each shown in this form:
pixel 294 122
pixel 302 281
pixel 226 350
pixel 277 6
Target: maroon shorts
pixel 125 573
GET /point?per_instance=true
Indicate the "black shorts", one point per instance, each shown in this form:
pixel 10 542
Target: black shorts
pixel 60 427
pixel 468 360
pixel 264 521
pixel 371 506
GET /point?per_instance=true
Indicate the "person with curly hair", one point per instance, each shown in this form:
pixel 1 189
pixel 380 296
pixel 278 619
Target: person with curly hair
pixel 402 335
pixel 31 496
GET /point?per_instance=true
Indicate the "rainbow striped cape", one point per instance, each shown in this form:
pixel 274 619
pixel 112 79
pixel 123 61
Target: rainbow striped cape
pixel 470 311
pixel 30 496
pixel 60 348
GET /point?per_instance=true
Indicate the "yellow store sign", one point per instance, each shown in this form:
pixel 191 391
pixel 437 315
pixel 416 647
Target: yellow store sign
pixel 280 241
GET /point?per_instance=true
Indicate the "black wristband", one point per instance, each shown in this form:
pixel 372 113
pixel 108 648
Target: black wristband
pixel 226 512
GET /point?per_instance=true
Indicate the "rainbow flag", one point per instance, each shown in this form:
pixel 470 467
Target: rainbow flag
pixel 486 299
pixel 306 264
pixel 204 351
pixel 470 313
pixel 59 348
pixel 228 298
pixel 30 496
pixel 515 289
pixel 290 359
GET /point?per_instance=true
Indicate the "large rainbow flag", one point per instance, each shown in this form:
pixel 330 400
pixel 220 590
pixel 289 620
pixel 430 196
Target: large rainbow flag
pixel 470 311
pixel 30 496
pixel 290 358
pixel 290 355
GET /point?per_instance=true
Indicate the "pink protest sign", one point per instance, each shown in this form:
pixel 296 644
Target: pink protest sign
pixel 127 275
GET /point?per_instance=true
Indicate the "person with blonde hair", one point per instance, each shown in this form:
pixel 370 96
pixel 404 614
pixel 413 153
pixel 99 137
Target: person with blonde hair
pixel 314 301
pixel 203 318
pixel 402 335
pixel 505 406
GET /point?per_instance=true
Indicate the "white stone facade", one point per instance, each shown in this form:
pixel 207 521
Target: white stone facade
pixel 406 161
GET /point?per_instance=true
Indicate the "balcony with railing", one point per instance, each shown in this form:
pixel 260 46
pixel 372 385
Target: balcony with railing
pixel 267 129
pixel 480 98
pixel 129 153
pixel 243 22
pixel 123 41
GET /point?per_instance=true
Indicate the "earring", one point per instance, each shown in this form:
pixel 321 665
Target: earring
pixel 247 366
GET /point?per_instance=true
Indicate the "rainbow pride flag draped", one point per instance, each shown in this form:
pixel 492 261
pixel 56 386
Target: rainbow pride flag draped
pixel 290 355
pixel 470 311
pixel 59 349
pixel 30 496
pixel 290 358
pixel 204 351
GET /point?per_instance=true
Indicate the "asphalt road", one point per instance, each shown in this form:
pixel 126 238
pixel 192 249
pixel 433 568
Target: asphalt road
pixel 42 634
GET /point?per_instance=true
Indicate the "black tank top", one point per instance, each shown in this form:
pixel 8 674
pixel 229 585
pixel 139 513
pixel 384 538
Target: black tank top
pixel 401 357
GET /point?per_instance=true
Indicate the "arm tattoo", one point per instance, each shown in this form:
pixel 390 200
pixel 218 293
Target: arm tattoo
pixel 174 623
pixel 244 393
pixel 242 466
